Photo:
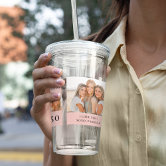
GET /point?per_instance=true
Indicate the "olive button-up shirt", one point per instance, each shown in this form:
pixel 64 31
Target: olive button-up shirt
pixel 133 129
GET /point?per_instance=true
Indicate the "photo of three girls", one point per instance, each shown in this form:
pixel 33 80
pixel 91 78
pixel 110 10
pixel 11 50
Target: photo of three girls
pixel 88 98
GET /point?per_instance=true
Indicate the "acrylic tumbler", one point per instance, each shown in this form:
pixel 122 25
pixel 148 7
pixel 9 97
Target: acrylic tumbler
pixel 76 117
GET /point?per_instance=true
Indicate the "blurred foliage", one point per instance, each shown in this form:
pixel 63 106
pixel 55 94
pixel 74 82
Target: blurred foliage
pixel 37 38
pixel 11 35
pixel 13 24
pixel 10 85
pixel 40 32
pixel 4 78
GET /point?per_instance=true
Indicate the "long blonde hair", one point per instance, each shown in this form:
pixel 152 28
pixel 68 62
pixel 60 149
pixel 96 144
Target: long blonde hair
pixel 78 89
pixel 91 82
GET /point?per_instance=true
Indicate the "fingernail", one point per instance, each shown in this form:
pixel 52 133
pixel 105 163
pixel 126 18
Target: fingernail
pixel 57 71
pixel 57 95
pixel 45 55
pixel 59 81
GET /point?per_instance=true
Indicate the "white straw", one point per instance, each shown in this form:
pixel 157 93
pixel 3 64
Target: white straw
pixel 74 19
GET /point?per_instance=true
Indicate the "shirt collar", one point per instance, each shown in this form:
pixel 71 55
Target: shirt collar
pixel 116 39
pixel 161 66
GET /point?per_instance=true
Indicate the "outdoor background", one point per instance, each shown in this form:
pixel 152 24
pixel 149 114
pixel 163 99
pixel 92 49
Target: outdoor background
pixel 26 28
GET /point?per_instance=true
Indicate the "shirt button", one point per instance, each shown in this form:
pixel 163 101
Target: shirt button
pixel 138 138
pixel 137 91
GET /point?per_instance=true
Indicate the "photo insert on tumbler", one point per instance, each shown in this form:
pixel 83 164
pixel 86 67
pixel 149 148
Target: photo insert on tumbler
pixel 85 95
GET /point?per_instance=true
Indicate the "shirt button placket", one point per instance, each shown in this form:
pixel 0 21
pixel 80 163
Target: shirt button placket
pixel 137 91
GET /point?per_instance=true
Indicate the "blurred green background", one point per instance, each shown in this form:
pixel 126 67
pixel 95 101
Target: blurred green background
pixel 46 21
pixel 26 28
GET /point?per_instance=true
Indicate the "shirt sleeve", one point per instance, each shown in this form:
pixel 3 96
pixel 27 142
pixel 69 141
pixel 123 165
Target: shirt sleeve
pixel 101 102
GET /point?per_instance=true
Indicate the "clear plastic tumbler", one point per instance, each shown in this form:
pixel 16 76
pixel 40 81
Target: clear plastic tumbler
pixel 76 117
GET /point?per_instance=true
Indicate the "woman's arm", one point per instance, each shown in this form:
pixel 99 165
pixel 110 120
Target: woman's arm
pixel 53 159
pixel 94 105
pixel 80 107
pixel 99 109
pixel 45 78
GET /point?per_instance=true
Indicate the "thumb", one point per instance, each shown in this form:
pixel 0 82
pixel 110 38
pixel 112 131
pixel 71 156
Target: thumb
pixel 108 70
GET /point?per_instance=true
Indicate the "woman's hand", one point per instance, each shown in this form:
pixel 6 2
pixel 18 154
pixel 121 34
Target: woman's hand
pixel 44 78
